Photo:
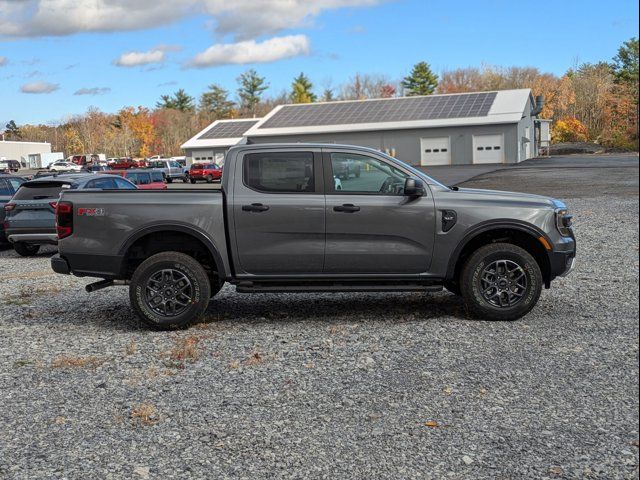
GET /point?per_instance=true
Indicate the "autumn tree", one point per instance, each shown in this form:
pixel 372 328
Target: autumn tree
pixel 302 90
pixel 180 100
pixel 215 103
pixel 250 90
pixel 363 86
pixel 72 142
pixel 421 80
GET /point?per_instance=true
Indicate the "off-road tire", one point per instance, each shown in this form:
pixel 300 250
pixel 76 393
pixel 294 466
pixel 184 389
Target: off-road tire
pixel 25 249
pixel 191 269
pixel 470 284
pixel 192 180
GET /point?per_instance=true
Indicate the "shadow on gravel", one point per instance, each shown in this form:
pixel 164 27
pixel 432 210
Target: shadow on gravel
pixel 239 310
pixel 320 307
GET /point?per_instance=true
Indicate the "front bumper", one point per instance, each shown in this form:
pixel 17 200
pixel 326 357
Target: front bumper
pixel 34 238
pixel 562 260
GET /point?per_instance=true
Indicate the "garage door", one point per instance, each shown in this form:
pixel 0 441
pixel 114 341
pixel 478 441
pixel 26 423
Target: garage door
pixel 488 149
pixel 435 151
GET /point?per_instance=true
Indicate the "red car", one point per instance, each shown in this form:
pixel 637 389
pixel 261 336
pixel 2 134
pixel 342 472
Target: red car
pixel 143 179
pixel 208 172
pixel 124 163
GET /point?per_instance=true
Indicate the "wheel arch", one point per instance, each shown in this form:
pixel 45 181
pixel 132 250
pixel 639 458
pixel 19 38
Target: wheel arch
pixel 173 229
pixel 519 233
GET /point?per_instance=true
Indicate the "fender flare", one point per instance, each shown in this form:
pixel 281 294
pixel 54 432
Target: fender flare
pixel 176 227
pixel 487 226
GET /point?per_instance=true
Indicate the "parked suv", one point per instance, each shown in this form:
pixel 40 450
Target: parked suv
pixel 9 165
pixel 30 215
pixel 171 169
pixel 205 171
pixel 9 185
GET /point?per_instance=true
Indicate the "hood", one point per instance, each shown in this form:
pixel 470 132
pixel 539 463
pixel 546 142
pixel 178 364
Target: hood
pixel 509 197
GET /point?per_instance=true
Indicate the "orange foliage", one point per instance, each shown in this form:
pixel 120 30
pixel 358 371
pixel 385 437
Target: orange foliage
pixel 569 130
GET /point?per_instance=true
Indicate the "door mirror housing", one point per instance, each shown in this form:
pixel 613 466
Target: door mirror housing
pixel 413 187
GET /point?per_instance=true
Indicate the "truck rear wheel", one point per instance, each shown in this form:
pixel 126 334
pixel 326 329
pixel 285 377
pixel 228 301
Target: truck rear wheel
pixel 169 290
pixel 500 281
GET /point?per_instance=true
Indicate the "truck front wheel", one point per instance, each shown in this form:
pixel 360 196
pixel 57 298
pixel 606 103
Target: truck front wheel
pixel 169 290
pixel 500 281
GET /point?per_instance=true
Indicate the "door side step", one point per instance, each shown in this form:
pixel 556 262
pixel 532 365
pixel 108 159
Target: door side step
pixel 250 287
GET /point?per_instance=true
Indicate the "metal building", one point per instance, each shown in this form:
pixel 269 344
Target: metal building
pixel 210 144
pixel 453 129
pixel 24 152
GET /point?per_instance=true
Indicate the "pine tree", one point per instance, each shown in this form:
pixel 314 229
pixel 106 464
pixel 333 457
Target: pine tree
pixel 215 102
pixel 421 80
pixel 179 101
pixel 327 95
pixel 251 88
pixel 301 90
pixel 12 130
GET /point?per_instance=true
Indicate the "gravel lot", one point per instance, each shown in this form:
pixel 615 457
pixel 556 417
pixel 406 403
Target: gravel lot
pixel 335 385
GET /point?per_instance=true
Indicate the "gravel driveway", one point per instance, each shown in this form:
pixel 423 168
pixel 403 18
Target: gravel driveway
pixel 335 385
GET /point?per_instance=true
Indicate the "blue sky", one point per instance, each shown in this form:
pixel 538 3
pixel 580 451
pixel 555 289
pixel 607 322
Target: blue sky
pixel 57 50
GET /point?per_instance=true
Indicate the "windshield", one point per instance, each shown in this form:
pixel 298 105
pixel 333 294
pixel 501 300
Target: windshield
pixel 415 171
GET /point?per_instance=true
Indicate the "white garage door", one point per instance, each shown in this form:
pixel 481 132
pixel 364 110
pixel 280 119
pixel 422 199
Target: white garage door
pixel 435 151
pixel 488 148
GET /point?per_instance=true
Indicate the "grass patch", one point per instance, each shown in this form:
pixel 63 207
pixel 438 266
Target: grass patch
pixel 145 414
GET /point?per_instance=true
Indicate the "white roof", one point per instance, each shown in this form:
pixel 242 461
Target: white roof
pixel 508 107
pixel 197 142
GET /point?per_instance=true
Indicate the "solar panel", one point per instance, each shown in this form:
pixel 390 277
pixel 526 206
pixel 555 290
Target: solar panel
pixel 380 111
pixel 227 130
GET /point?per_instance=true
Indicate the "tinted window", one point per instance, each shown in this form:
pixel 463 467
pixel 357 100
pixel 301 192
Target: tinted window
pixel 211 166
pixel 290 172
pixel 123 184
pixel 101 183
pixel 362 174
pixel 157 177
pixel 40 190
pixel 5 188
pixel 15 183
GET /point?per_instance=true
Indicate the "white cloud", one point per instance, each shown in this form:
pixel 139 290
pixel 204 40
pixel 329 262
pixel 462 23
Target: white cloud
pixel 240 19
pixel 3 61
pixel 134 59
pixel 251 51
pixel 93 91
pixel 39 87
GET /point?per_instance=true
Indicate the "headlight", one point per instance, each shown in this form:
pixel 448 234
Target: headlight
pixel 564 222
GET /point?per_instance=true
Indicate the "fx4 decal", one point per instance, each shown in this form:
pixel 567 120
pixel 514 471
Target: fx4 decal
pixel 91 212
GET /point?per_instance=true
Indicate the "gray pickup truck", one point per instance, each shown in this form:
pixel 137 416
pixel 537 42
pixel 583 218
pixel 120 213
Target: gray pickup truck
pixel 279 224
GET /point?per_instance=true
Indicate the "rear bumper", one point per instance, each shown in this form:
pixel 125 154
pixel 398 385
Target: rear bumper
pixel 34 238
pixel 88 265
pixel 60 265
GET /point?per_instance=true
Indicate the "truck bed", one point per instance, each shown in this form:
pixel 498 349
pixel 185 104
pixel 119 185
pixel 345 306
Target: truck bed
pixel 112 220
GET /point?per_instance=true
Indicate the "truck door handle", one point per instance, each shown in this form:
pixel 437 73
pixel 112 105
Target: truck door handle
pixel 347 207
pixel 255 207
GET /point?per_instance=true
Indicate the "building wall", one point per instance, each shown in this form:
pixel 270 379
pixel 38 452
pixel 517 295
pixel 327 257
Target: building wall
pixel 527 121
pixel 406 143
pixel 205 154
pixel 21 150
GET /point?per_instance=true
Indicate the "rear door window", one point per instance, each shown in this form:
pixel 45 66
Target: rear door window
pixel 274 172
pixel 122 184
pixel 102 183
pixel 5 188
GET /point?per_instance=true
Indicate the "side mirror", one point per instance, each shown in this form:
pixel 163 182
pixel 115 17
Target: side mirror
pixel 413 187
